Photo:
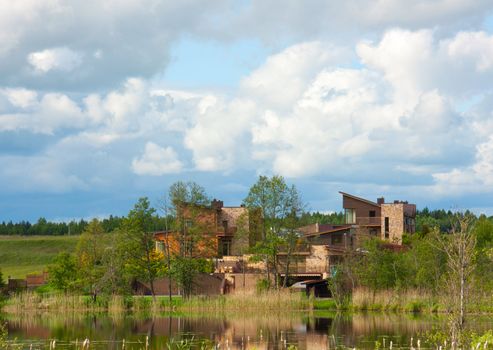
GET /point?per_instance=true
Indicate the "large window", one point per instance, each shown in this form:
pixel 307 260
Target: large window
pixel 350 216
pixel 224 247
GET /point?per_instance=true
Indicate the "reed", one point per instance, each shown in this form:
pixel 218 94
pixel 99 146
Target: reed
pixel 408 300
pixel 282 300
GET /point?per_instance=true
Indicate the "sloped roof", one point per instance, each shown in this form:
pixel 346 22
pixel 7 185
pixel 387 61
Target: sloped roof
pixel 360 199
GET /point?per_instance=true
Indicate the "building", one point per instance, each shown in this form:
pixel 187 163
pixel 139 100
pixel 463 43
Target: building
pixel 387 221
pixel 212 231
pixel 329 244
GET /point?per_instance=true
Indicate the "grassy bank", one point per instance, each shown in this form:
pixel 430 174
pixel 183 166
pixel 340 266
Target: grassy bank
pixel 271 301
pixel 20 255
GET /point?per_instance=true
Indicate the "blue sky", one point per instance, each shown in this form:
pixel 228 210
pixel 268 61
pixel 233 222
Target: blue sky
pixel 114 100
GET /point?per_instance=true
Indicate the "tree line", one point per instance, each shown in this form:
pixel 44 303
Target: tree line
pixel 426 220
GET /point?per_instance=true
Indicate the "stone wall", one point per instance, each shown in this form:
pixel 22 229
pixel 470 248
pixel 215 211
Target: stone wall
pixel 237 218
pixel 395 213
pixel 317 260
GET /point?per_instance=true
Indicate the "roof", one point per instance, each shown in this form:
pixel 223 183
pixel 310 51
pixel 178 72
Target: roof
pixel 334 230
pixel 360 199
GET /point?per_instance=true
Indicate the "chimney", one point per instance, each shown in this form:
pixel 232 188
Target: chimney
pixel 216 204
pixel 380 200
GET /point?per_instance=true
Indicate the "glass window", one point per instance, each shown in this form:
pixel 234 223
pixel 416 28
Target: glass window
pixel 350 216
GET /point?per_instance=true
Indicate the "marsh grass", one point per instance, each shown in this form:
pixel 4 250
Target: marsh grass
pixel 411 300
pixel 272 300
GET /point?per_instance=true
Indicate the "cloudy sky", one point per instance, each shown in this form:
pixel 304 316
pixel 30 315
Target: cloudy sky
pixel 104 101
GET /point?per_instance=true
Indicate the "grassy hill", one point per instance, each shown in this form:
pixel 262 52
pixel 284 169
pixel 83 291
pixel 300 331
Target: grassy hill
pixel 20 255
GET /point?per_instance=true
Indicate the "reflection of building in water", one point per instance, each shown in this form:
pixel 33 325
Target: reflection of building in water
pixel 241 332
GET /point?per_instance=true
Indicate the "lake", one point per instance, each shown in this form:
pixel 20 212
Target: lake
pixel 273 331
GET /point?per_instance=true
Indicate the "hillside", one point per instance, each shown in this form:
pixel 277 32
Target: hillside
pixel 20 255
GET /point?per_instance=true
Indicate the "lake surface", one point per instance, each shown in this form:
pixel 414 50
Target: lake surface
pixel 272 331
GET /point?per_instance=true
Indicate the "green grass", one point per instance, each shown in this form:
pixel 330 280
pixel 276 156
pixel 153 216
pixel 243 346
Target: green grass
pixel 21 255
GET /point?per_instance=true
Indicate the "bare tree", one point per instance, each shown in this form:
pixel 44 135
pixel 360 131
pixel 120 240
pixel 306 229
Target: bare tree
pixel 459 247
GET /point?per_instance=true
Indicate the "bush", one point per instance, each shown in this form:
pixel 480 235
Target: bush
pixel 262 285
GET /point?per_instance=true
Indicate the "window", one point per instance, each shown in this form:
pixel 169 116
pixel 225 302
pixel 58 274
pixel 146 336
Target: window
pixel 387 227
pixel 160 246
pixel 372 213
pixel 224 247
pixel 225 225
pixel 336 239
pixel 350 216
pixel 373 232
pixel 188 223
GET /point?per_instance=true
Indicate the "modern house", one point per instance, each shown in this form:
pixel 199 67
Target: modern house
pixel 210 231
pixel 364 218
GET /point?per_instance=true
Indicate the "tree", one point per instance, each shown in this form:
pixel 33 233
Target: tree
pixel 63 272
pixel 89 252
pixel 187 199
pixel 459 247
pixel 2 282
pixel 281 208
pixel 137 237
pixel 185 269
pixel 116 277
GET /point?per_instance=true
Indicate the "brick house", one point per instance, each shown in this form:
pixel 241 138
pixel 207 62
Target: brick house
pixel 211 231
pixel 363 219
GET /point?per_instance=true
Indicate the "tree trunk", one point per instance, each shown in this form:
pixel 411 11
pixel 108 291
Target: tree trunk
pixel 286 274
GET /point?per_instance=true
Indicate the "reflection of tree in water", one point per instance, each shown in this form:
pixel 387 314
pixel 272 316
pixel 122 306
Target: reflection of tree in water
pixel 261 331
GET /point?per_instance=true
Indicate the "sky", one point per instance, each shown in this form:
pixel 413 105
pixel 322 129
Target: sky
pixel 106 101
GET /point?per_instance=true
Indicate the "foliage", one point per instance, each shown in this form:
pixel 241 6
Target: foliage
pixel 63 272
pixel 281 208
pixel 2 282
pixel 262 285
pixel 187 199
pixel 335 218
pixel 382 268
pixel 89 252
pixel 138 244
pixel 185 269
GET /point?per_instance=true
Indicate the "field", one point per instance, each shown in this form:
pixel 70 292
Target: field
pixel 20 255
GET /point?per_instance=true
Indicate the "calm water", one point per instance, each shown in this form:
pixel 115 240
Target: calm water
pixel 305 331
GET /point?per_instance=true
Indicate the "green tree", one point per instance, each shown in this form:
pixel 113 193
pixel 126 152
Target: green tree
pixel 89 252
pixel 2 282
pixel 116 277
pixel 281 208
pixel 187 199
pixel 185 269
pixel 137 238
pixel 63 272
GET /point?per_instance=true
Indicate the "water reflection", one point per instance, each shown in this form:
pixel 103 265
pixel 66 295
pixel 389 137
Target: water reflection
pixel 275 331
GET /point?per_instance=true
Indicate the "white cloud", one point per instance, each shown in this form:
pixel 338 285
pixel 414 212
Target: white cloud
pixel 22 98
pixel 476 178
pixel 60 58
pixel 157 161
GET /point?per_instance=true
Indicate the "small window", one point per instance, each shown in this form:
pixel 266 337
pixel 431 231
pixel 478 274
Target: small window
pixel 336 239
pixel 387 234
pixel 225 225
pixel 372 213
pixel 188 223
pixel 160 246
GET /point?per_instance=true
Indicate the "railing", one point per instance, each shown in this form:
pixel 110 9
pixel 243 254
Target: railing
pixel 374 220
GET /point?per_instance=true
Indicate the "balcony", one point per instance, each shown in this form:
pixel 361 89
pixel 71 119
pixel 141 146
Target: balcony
pixel 368 221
